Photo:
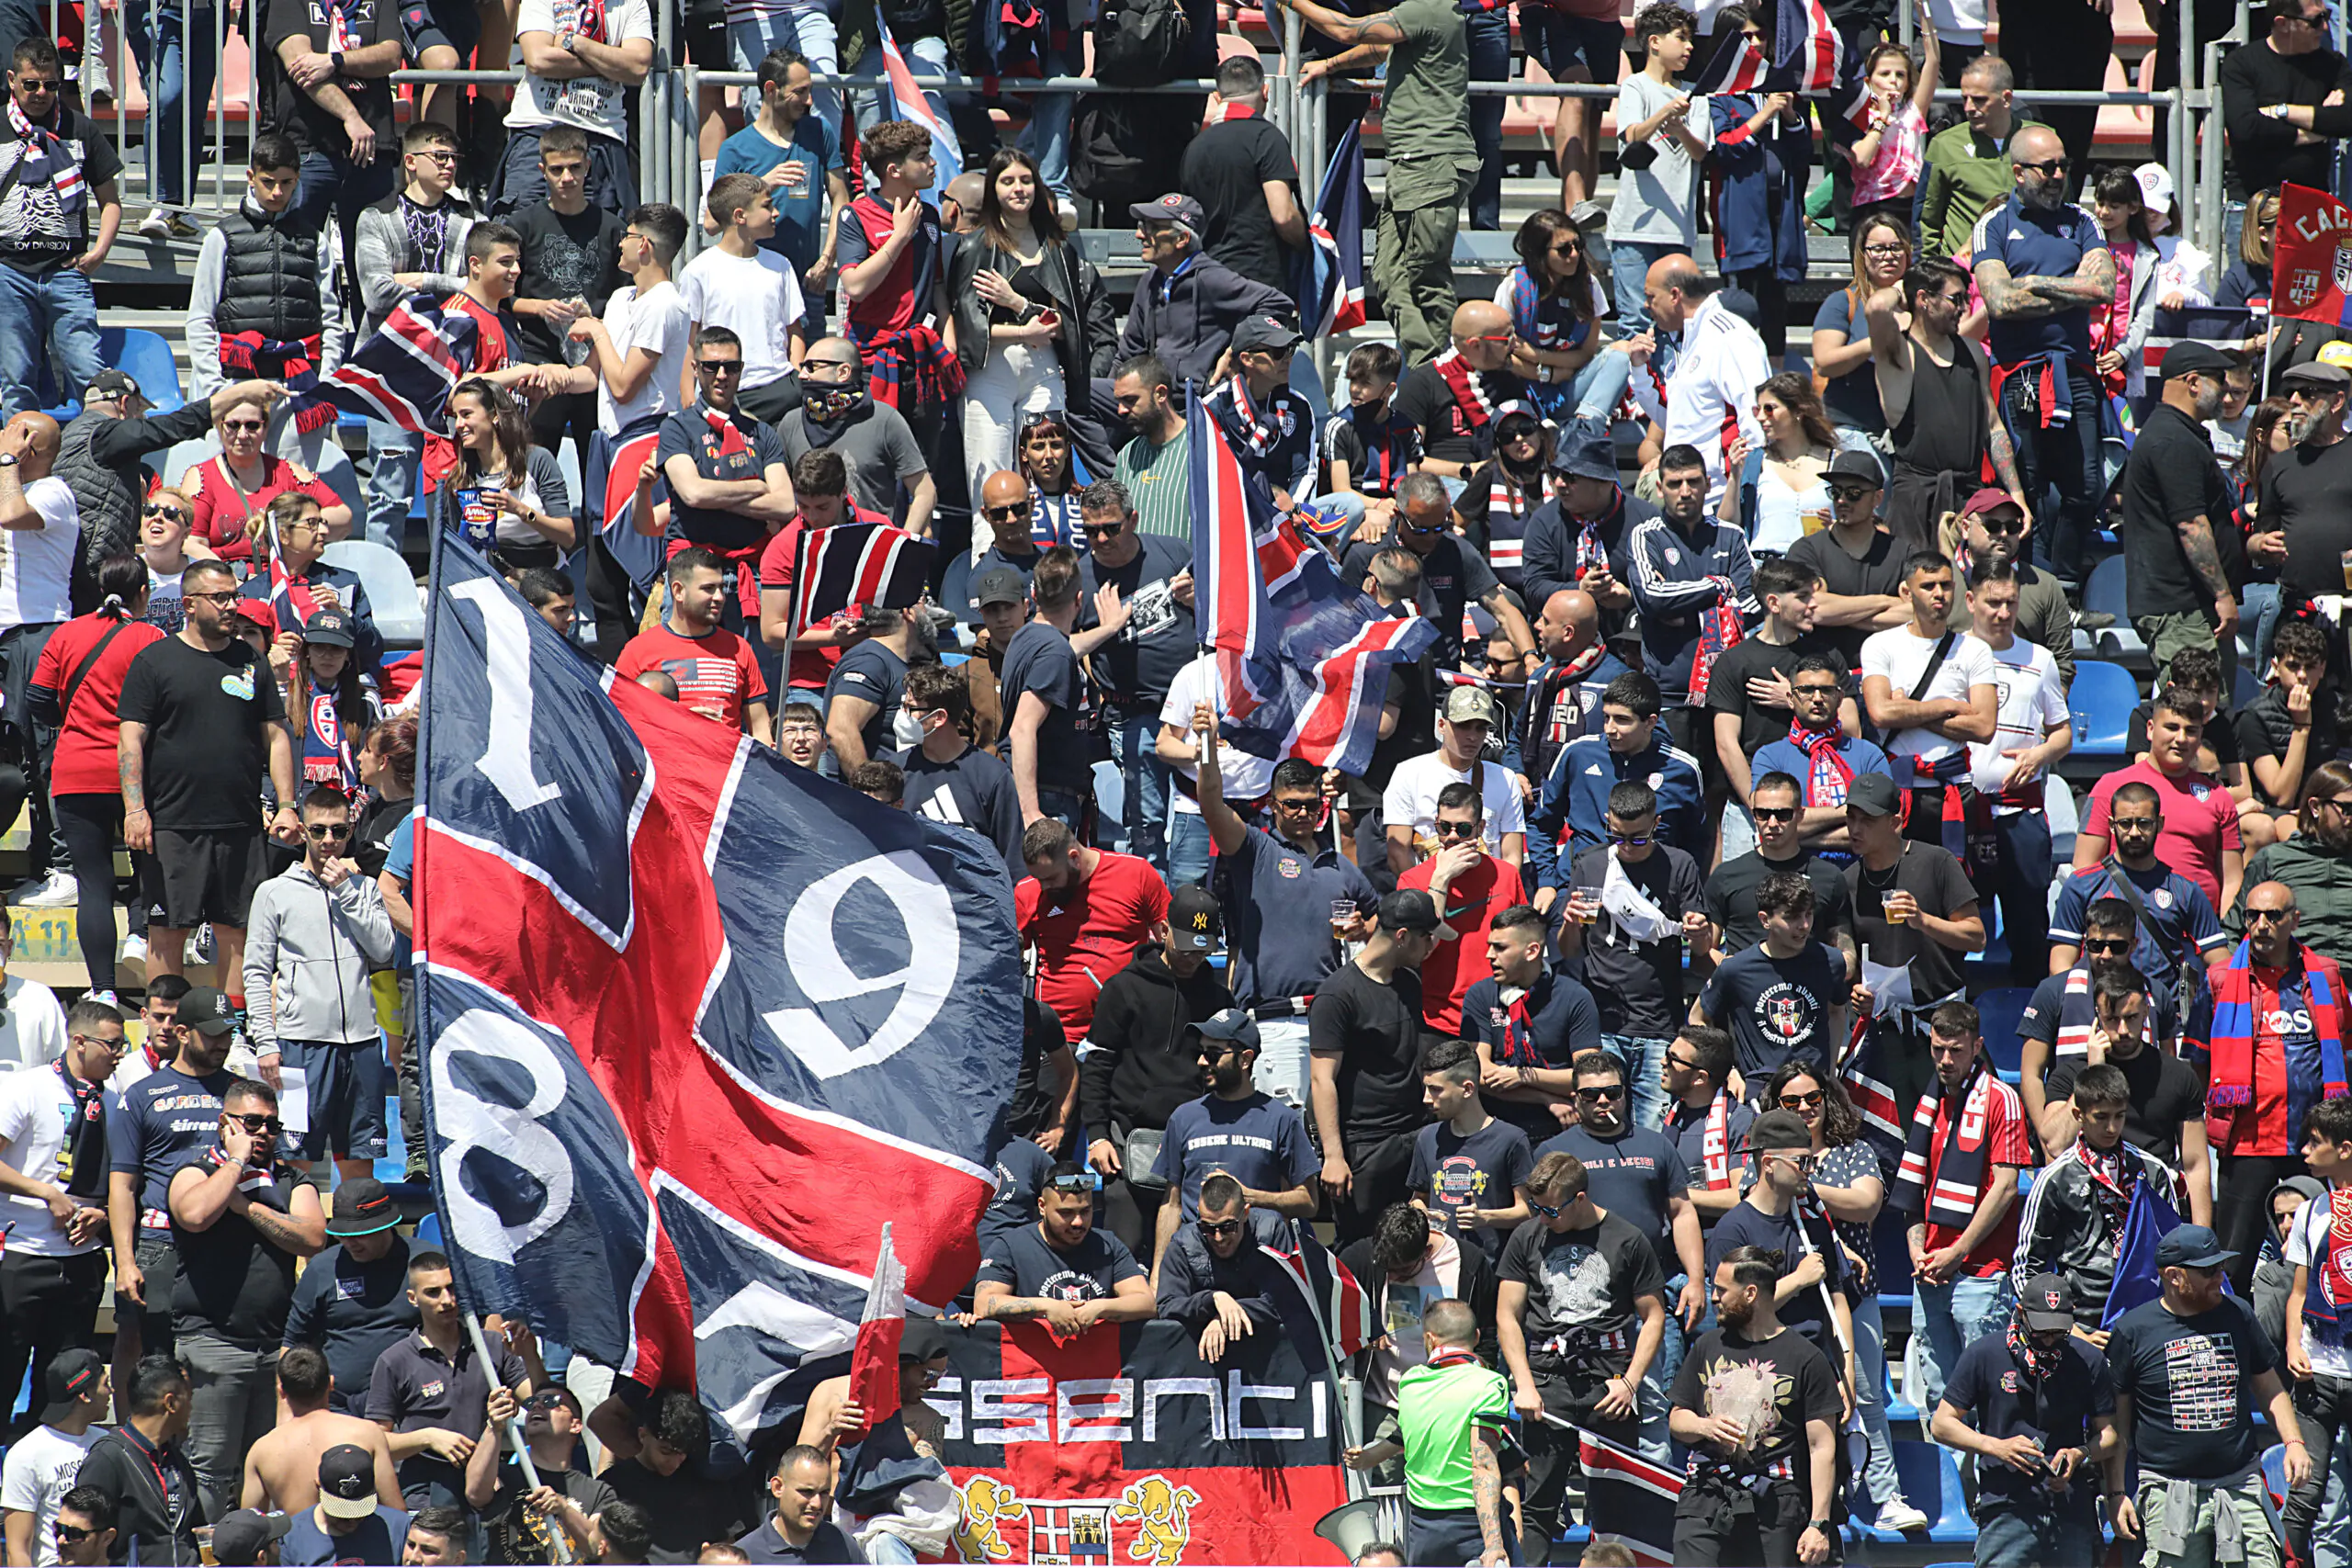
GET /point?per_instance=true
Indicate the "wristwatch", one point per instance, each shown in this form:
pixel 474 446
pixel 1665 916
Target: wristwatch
pixel 335 55
pixel 1824 1525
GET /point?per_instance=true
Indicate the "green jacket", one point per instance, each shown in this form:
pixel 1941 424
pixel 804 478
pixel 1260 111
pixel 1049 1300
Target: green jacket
pixel 2322 885
pixel 1966 174
pixel 861 30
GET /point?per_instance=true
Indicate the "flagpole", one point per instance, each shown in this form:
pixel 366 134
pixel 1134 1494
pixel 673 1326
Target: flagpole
pixel 1350 1427
pixel 515 1434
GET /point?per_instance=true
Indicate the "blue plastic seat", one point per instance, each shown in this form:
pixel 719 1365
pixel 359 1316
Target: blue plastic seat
pixel 2105 696
pixel 392 598
pixel 2000 1011
pixel 144 355
pixel 2274 1471
pixel 2106 591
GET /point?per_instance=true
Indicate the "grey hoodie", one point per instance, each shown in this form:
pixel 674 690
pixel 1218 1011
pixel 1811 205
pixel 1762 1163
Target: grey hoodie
pixel 319 945
pixel 2274 1276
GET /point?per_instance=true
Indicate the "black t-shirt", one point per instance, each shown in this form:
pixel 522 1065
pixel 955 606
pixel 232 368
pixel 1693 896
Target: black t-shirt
pixel 2166 1092
pixel 1454 1174
pixel 365 22
pixel 233 1284
pixel 1930 874
pixel 1226 169
pixel 350 1310
pixel 37 235
pixel 2001 1402
pixel 1803 1388
pixel 1731 897
pixel 688 1510
pixel 564 258
pixel 207 718
pixel 1453 577
pixel 517 1534
pixel 2170 477
pixel 1753 658
pixel 1376 1030
pixel 1582 1284
pixel 1639 984
pixel 1039 659
pixel 2262 730
pixel 1747 1225
pixel 1157 640
pixel 689 434
pixel 1776 1008
pixel 1424 399
pixel 1632 1176
pixel 1090 1272
pixel 1880 570
pixel 873 674
pixel 2307 491
pixel 2190 1382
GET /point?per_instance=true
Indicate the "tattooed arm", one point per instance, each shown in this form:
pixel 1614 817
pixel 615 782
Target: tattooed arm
pixel 2093 283
pixel 2010 300
pixel 1486 1495
pixel 1341 28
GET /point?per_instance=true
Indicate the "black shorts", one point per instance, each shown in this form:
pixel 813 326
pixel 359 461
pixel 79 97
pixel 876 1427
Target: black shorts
pixel 1562 43
pixel 194 878
pixel 704 33
pixel 454 24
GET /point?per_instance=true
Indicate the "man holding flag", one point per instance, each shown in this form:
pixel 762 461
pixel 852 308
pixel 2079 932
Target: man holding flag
pixel 2319 1249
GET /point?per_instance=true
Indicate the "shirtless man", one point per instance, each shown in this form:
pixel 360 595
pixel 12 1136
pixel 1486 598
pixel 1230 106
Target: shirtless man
pixel 282 1470
pixel 832 1419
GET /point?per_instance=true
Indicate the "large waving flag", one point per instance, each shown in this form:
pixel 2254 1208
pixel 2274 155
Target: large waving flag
pixel 908 102
pixel 856 565
pixel 1303 659
pixel 404 372
pixel 698 1022
pixel 1328 278
pixel 1342 1306
pixel 2145 1224
pixel 2311 271
pixel 1628 1499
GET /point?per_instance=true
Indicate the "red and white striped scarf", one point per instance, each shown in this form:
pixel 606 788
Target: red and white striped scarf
pixel 46 158
pixel 1828 775
pixel 1719 630
pixel 1944 1156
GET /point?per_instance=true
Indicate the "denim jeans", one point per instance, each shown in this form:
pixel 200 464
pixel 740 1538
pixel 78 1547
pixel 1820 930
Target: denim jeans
pixel 2004 1540
pixel 1143 780
pixel 331 182
pixel 2259 603
pixel 2323 1409
pixel 1655 1394
pixel 811 33
pixel 1188 849
pixel 395 465
pixel 236 1405
pixel 1067 806
pixel 926 56
pixel 1644 1061
pixel 1046 139
pixel 1629 271
pixel 174 66
pixel 887 1549
pixel 2062 459
pixel 1489 43
pixel 1954 1315
pixel 1879 1478
pixel 58 309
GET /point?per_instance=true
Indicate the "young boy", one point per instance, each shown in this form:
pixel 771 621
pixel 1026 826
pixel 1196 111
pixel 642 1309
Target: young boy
pixel 571 267
pixel 267 300
pixel 1465 1163
pixel 1655 211
pixel 1370 447
pixel 2072 1216
pixel 800 733
pixel 637 349
pixel 2287 732
pixel 797 156
pixel 750 290
pixel 2317 1356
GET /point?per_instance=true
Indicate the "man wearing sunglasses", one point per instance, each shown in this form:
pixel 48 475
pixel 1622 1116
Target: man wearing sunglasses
pixel 318 929
pixel 1063 1270
pixel 53 1172
pixel 1936 388
pixel 1734 890
pixel 2276 96
pixel 2055 1031
pixel 240 1220
pixel 1135 602
pixel 519 1519
pixel 1215 1276
pixel 1271 428
pixel 1008 507
pixel 84 1527
pixel 1991 525
pixel 1780 1213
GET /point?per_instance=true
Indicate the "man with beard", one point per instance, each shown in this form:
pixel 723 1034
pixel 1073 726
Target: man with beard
pixel 2176 930
pixel 1693 580
pixel 2055 1030
pixel 1578 539
pixel 2198 835
pixel 1156 467
pixel 1271 430
pixel 2316 863
pixel 2307 491
pixel 1860 569
pixel 1935 692
pixel 2272 1022
pixel 153 1128
pixel 1237 1131
pixel 1937 388
pixel 1562 701
pixel 1992 525
pixel 2041 264
pixel 1453 576
pixel 2178 547
pixel 1459 399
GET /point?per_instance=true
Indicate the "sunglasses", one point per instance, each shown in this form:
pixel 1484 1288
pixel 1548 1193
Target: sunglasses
pixel 1100 530
pixel 1801 1102
pixel 546 1399
pixel 117 1045
pixel 1567 248
pixel 2269 916
pixel 1630 841
pixel 1774 812
pixel 2115 948
pixel 323 830
pixel 1849 492
pixel 256 1124
pixel 1455 829
pixel 1549 1210
pixel 1002 514
pixel 1301 805
pixel 163 509
pixel 2006 526
pixel 718 367
pixel 243 426
pixel 2050 166
pixel 1595 1096
pixel 1219 1227
pixel 442 156
pixel 70 1534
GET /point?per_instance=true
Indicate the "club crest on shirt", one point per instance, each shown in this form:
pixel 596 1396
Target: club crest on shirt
pixel 1288 867
pixel 2161 897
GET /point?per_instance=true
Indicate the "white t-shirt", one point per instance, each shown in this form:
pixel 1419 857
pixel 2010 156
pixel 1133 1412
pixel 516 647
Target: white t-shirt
pixel 1414 787
pixel 162 589
pixel 1242 775
pixel 2033 699
pixel 1902 656
pixel 39 1471
pixel 34 1103
pixel 658 324
pixel 37 564
pixel 32 1027
pixel 2307 1248
pixel 594 104
pixel 757 298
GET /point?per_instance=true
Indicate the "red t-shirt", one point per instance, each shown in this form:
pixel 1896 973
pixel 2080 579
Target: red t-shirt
pixel 1471 903
pixel 717 675
pixel 811 668
pixel 85 762
pixel 1090 933
pixel 2200 821
pixel 2004 1136
pixel 220 513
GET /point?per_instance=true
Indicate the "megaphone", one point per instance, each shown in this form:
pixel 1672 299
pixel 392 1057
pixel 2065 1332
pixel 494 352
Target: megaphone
pixel 1352 1527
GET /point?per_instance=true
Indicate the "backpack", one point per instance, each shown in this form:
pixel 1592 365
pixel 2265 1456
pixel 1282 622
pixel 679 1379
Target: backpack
pixel 1122 145
pixel 1141 43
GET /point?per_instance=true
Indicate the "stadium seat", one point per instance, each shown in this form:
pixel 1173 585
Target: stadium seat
pixel 392 598
pixel 2105 591
pixel 2105 696
pixel 2247 688
pixel 143 355
pixel 1931 1483
pixel 2000 1011
pixel 2274 1471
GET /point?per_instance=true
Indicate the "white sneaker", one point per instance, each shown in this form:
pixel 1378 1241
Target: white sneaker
pixel 134 949
pixel 199 944
pixel 157 224
pixel 58 890
pixel 1900 1517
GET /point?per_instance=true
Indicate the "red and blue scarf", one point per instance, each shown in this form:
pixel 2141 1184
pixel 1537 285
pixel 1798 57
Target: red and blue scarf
pixel 1828 773
pixel 2232 1045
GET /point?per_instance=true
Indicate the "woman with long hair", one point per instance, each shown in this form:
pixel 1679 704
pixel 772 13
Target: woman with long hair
pixel 506 495
pixel 1021 313
pixel 1849 1184
pixel 1841 332
pixel 343 704
pixel 1556 303
pixel 1783 492
pixel 2268 433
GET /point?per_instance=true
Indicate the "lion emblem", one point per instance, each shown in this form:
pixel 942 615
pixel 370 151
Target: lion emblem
pixel 1162 1517
pixel 988 1504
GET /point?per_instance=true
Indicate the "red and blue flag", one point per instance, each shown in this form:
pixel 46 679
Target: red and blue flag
pixel 1327 278
pixel 406 370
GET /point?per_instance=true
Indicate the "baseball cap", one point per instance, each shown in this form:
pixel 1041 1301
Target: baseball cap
pixel 1408 910
pixel 1173 207
pixel 1874 793
pixel 258 610
pixel 1264 332
pixel 2048 1302
pixel 330 628
pixel 922 1339
pixel 1778 1129
pixel 111 384
pixel 2155 187
pixel 69 1377
pixel 1585 451
pixel 206 1010
pixel 2191 357
pixel 1989 499
pixel 1195 921
pixel 998 585
pixel 1853 465
pixel 1230 1023
pixel 1469 705
pixel 348 1481
pixel 362 1208
pixel 2192 1247
pixel 241 1537
pixel 2317 373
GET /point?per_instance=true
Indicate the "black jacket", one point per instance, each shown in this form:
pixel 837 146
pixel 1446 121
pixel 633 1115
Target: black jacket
pixel 1082 347
pixel 118 1465
pixel 1191 1275
pixel 1476 1284
pixel 1145 1061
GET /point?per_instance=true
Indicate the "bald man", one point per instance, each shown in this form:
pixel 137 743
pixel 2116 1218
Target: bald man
pixel 1709 394
pixel 1005 510
pixel 1455 398
pixel 1563 697
pixel 959 204
pixel 2042 265
pixel 43 523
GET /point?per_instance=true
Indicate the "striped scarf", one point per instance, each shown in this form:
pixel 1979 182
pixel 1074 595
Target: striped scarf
pixel 1827 776
pixel 1260 433
pixel 2231 1095
pixel 1469 391
pixel 296 363
pixel 2115 1176
pixel 2326 1304
pixel 912 366
pixel 1719 631
pixel 1940 1169
pixel 46 158
pixel 1714 1144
